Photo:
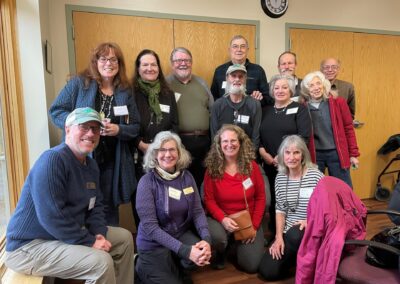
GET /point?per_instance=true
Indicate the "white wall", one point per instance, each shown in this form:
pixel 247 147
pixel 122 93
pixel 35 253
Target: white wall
pixel 365 14
pixel 32 73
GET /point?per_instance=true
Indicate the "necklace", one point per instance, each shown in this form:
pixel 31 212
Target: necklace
pixel 106 105
pixel 279 110
pixel 286 203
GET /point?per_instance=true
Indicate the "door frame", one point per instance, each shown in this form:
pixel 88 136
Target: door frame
pixel 69 9
pixel 289 26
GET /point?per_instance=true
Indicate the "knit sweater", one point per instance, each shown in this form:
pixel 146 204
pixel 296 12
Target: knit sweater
pixel 164 217
pixel 55 202
pixel 75 95
pixel 225 196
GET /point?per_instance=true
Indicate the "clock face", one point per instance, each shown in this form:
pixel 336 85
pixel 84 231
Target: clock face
pixel 274 8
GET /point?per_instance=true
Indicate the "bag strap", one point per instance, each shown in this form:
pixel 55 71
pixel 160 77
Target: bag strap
pixel 245 198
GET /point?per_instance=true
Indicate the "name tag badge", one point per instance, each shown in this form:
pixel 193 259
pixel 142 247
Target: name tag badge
pixel 223 85
pixel 295 99
pixel 177 96
pixel 247 183
pixel 244 119
pixel 90 185
pixel 174 193
pixel 164 108
pixel 121 110
pixel 306 192
pixel 92 202
pixel 188 190
pixel 292 110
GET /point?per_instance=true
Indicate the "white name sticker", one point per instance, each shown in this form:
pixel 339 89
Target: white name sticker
pixel 120 110
pixel 188 190
pixel 247 183
pixel 306 192
pixel 244 119
pixel 177 96
pixel 164 108
pixel 223 84
pixel 174 193
pixel 292 110
pixel 92 202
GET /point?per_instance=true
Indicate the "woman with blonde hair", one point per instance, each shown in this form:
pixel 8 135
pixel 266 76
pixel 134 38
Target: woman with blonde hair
pixel 334 136
pixel 233 179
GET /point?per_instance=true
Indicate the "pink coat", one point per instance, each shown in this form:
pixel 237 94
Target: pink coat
pixel 334 214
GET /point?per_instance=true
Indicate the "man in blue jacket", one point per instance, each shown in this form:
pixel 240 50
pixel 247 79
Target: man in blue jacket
pixel 58 228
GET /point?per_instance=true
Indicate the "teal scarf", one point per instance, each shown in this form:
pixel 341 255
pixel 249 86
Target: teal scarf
pixel 152 91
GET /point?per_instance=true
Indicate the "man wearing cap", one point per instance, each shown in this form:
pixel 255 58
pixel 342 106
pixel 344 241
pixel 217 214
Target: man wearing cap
pixel 58 228
pixel 256 80
pixel 235 107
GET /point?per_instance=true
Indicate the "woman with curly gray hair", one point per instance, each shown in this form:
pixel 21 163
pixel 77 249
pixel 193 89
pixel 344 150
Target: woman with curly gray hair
pixel 231 173
pixel 334 136
pixel 173 234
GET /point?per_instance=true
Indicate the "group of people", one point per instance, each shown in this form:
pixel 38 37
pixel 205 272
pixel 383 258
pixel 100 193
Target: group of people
pixel 186 157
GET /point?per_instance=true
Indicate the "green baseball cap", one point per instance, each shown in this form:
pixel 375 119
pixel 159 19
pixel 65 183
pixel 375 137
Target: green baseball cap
pixel 82 115
pixel 236 67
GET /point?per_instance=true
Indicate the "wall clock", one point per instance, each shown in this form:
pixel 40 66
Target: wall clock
pixel 274 8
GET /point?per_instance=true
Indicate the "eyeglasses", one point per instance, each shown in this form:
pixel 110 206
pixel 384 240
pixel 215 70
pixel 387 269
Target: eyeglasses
pixel 165 150
pixel 236 46
pixel 332 67
pixel 103 60
pixel 85 128
pixel 180 61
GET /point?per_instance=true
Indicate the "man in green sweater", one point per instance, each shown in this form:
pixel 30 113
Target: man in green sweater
pixel 58 228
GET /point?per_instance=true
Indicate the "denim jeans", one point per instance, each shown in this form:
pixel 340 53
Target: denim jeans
pixel 330 159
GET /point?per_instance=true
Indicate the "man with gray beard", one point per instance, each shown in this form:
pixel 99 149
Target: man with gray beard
pixel 235 107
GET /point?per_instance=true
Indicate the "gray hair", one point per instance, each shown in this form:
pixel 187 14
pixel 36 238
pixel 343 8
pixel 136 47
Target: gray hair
pixel 305 91
pixel 180 49
pixel 289 79
pixel 298 142
pixel 239 37
pixel 150 158
pixel 326 59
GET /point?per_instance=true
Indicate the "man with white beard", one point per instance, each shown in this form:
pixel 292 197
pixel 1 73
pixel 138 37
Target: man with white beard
pixel 235 107
pixel 194 100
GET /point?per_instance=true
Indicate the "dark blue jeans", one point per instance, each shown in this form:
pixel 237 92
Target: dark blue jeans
pixel 330 159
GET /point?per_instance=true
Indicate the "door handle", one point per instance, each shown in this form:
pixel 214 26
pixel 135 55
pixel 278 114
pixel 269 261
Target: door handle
pixel 357 124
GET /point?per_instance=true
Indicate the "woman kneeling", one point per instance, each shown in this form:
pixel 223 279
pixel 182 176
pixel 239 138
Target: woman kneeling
pixel 171 215
pixel 233 182
pixel 295 182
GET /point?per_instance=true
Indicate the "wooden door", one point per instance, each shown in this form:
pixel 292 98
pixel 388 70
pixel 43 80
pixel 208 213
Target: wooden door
pixel 376 76
pixel 209 42
pixel 311 46
pixel 132 34
pixel 367 61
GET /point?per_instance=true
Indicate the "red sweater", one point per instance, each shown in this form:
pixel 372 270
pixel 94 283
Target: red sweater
pixel 225 196
pixel 343 131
